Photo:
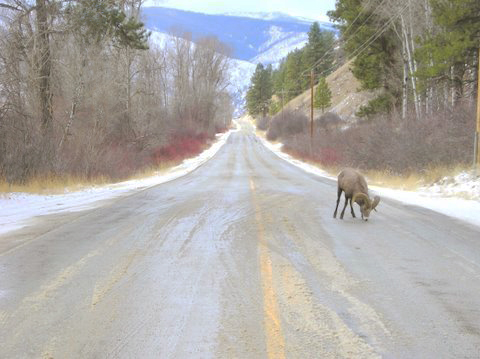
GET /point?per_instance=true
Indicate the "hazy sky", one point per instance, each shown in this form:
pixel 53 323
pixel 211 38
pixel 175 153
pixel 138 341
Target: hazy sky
pixel 314 9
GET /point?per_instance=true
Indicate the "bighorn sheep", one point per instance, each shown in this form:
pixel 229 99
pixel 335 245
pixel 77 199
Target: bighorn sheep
pixel 356 190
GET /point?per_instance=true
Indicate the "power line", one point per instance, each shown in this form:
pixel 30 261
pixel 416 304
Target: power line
pixel 371 39
pixel 356 18
pixel 375 36
pixel 351 36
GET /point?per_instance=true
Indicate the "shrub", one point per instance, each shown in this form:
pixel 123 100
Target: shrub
pixel 393 145
pixel 328 120
pixel 179 148
pixel 263 123
pixel 380 104
pixel 286 124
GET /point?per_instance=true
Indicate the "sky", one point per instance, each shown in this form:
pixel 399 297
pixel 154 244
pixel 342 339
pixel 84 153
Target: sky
pixel 313 9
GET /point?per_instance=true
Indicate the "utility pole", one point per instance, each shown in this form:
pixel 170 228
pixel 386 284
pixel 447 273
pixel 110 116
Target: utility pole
pixel 477 133
pixel 312 80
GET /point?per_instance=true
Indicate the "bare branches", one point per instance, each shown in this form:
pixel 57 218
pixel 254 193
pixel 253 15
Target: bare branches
pixel 10 7
pixel 114 106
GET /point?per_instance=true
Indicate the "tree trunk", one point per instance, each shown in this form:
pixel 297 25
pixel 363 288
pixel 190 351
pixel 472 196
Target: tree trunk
pixel 404 88
pixel 411 68
pixel 44 68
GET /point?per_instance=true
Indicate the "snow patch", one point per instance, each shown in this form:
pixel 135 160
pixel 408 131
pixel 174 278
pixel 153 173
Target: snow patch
pixel 240 74
pixel 279 16
pixel 274 54
pixel 159 39
pixel 465 184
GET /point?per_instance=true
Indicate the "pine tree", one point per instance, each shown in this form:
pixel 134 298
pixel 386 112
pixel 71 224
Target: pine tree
pixel 259 93
pixel 323 95
pixel 447 53
pixel 95 20
pixel 294 83
pixel 377 66
pixel 318 51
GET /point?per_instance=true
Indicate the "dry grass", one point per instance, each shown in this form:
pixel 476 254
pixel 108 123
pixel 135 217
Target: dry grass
pixel 413 180
pixel 409 182
pixel 51 185
pixel 161 168
pixel 59 185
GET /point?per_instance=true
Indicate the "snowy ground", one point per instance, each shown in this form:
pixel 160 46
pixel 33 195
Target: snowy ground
pixel 447 196
pixel 16 209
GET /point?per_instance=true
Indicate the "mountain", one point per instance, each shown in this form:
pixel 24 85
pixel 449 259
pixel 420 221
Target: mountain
pixel 280 16
pixel 240 74
pixel 251 39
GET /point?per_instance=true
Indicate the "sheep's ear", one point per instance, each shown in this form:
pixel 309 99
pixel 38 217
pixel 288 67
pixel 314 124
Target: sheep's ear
pixel 376 200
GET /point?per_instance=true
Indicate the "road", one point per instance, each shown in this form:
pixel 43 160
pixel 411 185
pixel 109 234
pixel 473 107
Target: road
pixel 240 259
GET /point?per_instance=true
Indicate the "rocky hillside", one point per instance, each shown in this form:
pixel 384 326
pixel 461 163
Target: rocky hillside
pixel 346 95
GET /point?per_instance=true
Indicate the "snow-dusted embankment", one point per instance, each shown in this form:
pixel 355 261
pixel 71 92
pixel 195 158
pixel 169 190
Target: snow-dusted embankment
pixel 442 198
pixel 17 208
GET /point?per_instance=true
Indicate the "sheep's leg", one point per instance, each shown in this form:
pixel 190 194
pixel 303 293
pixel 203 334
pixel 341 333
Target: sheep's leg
pixel 351 207
pixel 339 194
pixel 344 207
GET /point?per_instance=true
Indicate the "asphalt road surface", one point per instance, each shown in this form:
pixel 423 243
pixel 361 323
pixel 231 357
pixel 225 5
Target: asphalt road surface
pixel 240 259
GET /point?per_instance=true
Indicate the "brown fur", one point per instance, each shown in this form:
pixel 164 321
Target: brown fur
pixel 353 184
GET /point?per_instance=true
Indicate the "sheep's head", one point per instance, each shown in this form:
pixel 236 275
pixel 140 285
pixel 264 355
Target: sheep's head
pixel 366 204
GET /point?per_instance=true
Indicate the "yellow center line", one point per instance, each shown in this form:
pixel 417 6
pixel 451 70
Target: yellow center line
pixel 273 328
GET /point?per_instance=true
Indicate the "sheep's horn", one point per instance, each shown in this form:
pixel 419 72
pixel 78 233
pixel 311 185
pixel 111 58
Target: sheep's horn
pixel 363 197
pixel 376 200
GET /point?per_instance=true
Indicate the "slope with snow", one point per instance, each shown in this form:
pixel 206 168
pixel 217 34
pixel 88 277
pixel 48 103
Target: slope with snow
pixel 248 34
pixel 240 74
pixel 278 50
pixel 159 39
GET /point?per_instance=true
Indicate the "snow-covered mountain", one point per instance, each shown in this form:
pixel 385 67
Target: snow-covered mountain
pixel 279 45
pixel 279 16
pixel 240 75
pixel 253 37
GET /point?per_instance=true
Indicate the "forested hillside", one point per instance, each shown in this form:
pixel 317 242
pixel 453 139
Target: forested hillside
pixel 293 74
pixel 83 93
pixel 419 61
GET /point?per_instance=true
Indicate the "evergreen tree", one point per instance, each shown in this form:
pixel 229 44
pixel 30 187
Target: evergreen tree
pixel 377 67
pixel 278 78
pixel 323 95
pixel 259 93
pixel 95 20
pixel 319 49
pixel 452 48
pixel 294 82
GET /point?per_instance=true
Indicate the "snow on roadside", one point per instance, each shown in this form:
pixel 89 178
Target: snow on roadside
pixel 17 208
pixel 465 185
pixel 437 197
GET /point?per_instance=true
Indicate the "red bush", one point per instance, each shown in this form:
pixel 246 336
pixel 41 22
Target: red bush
pixel 391 144
pixel 329 157
pixel 179 148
